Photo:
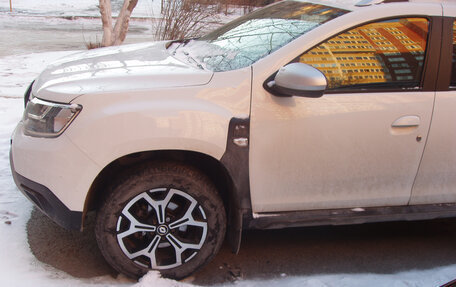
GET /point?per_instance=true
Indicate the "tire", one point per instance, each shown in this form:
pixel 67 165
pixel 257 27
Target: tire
pixel 162 216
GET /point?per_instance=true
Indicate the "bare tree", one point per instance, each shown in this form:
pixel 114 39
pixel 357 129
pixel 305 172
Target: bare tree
pixel 185 18
pixel 113 36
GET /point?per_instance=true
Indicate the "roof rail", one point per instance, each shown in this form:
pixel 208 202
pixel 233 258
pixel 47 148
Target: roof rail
pixel 363 3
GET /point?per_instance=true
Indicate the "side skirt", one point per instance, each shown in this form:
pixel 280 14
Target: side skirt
pixel 350 216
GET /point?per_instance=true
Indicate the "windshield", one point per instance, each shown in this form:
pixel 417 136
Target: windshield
pixel 247 39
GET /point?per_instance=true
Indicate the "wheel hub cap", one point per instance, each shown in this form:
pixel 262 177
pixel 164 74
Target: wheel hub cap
pixel 162 230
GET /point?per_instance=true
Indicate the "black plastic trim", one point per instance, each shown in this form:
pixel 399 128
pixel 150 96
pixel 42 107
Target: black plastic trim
pixel 236 161
pixel 279 91
pixel 27 94
pixel 351 216
pixel 47 202
pixel 450 284
pixel 431 68
pixel 446 56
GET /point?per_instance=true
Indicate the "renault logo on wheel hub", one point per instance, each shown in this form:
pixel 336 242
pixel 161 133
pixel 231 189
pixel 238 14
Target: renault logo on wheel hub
pixel 162 230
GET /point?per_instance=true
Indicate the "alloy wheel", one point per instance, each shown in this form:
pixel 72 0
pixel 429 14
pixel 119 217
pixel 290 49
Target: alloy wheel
pixel 161 228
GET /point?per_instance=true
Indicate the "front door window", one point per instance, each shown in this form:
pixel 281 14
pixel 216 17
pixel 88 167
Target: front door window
pixel 387 54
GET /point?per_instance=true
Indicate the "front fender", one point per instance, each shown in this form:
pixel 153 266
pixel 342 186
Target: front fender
pixel 197 118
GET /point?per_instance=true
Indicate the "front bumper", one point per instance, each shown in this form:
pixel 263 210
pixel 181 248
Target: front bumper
pixel 46 201
pixel 54 174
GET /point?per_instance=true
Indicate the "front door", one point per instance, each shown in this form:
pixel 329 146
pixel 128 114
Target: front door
pixel 360 144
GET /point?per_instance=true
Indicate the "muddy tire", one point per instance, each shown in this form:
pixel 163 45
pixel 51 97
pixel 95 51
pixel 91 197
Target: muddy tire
pixel 163 216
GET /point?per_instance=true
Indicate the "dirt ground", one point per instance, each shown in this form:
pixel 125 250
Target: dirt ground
pixel 380 248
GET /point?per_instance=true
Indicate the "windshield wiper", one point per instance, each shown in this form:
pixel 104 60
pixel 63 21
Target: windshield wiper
pixel 194 60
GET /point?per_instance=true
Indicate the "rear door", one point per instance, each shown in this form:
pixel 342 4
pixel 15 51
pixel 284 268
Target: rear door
pixel 436 179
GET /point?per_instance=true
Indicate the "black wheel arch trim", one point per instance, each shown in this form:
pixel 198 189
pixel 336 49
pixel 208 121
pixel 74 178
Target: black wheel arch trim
pixel 236 162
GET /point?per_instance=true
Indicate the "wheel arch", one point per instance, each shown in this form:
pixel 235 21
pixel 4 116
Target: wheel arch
pixel 216 170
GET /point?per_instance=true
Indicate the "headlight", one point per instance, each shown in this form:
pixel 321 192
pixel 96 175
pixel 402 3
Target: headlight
pixel 46 119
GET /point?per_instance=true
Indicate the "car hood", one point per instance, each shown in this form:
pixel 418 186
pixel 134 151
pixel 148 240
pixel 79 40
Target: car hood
pixel 136 67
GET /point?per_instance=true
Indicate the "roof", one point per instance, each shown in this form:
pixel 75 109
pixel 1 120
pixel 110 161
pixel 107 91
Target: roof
pixel 363 3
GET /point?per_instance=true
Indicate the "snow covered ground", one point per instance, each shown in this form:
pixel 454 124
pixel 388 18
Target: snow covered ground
pixel 74 8
pixel 19 267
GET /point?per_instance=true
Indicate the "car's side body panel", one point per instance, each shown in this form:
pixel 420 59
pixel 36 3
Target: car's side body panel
pixel 338 151
pixel 377 146
pixel 287 146
pixel 114 125
pixel 449 9
pixel 341 150
pixel 436 180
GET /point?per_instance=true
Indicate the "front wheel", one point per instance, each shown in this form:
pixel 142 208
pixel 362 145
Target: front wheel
pixel 162 216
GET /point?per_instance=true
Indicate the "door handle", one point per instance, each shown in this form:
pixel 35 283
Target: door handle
pixel 406 122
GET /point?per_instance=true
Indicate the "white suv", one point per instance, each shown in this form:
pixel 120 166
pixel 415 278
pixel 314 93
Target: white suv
pixel 297 114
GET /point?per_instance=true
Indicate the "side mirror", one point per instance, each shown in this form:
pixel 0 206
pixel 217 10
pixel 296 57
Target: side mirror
pixel 297 79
